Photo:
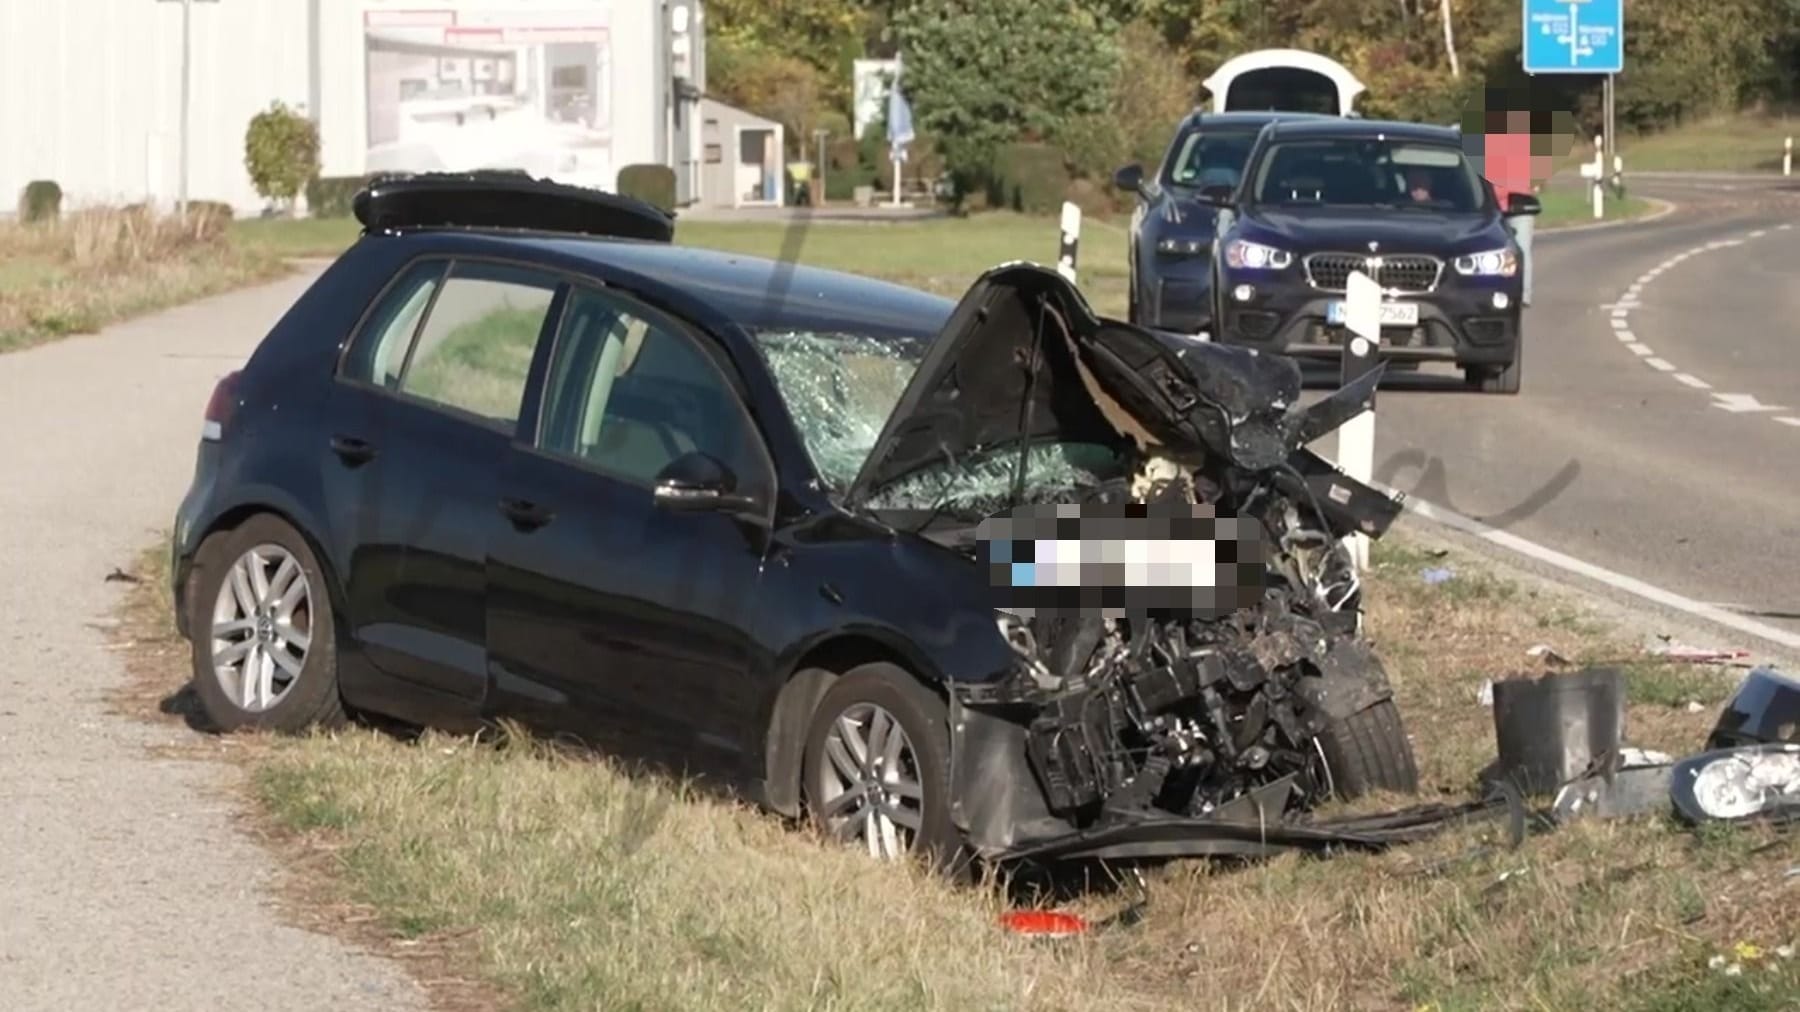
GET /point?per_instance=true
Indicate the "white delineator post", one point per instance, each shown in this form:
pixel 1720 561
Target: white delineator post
pixel 1071 241
pixel 1599 178
pixel 1356 438
pixel 1787 157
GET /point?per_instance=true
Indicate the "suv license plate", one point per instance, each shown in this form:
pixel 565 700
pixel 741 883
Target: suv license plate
pixel 1393 314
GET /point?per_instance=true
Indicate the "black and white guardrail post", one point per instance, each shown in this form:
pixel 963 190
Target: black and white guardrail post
pixel 1071 241
pixel 1356 438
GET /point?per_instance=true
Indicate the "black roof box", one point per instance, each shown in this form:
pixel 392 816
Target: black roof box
pixel 499 198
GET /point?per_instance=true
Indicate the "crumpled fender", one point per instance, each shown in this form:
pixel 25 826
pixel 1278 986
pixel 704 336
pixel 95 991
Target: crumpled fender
pixel 1351 679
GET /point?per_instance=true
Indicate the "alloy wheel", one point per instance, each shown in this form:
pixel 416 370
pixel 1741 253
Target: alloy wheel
pixel 261 627
pixel 870 790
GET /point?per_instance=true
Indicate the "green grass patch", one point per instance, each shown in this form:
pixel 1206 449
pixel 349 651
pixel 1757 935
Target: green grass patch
pixel 96 267
pixel 1743 143
pixel 1575 206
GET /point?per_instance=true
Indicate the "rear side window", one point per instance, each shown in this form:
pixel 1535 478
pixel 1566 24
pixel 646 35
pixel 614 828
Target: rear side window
pixel 457 334
pixel 474 350
pixel 380 350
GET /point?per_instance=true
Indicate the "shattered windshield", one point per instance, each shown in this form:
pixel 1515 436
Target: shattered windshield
pixel 982 484
pixel 840 388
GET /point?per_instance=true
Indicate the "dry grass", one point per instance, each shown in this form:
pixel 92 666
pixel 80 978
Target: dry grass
pixel 562 882
pixel 94 267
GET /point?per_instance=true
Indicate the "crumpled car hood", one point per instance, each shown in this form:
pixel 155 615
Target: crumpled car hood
pixel 979 387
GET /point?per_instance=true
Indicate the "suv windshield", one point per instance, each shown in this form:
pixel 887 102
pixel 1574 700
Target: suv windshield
pixel 840 389
pixel 1366 172
pixel 1210 157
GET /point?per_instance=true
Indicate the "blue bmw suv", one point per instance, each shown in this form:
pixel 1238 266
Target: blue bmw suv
pixel 1320 199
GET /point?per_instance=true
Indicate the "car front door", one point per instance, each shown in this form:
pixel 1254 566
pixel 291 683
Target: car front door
pixel 619 617
pixel 431 391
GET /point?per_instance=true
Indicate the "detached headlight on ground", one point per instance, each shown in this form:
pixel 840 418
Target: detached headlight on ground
pixel 1181 247
pixel 1500 263
pixel 1255 256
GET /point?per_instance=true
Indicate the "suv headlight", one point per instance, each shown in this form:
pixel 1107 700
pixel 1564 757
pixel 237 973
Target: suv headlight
pixel 1499 263
pixel 1255 256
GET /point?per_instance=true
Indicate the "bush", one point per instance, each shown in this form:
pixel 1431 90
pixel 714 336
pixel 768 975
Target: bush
pixel 281 152
pixel 330 196
pixel 842 184
pixel 1031 178
pixel 208 219
pixel 654 184
pixel 845 154
pixel 41 200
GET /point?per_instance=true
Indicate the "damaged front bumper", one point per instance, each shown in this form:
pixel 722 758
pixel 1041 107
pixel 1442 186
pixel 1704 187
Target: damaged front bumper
pixel 1178 753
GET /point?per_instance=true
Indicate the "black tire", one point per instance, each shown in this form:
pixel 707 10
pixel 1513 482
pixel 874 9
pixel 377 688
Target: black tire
pixel 1369 752
pixel 313 699
pixel 925 719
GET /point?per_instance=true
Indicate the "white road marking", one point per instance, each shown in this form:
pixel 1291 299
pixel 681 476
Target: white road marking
pixel 1740 403
pixel 1629 300
pixel 1617 581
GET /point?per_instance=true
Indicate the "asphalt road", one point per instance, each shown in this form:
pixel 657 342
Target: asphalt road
pixel 1617 450
pixel 123 882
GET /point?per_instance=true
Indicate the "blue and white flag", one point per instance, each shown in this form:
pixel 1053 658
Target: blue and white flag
pixel 899 115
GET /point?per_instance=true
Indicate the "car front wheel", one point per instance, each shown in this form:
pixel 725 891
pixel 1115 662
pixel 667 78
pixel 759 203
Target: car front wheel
pixel 262 631
pixel 877 766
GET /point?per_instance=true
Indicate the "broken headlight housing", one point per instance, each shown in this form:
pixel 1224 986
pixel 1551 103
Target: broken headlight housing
pixel 1738 783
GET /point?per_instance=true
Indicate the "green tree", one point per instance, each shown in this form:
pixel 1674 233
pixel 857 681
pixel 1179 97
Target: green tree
pixel 281 153
pixel 982 74
pixel 828 35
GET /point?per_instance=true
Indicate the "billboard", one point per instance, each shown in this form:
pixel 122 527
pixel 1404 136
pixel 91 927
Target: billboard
pixel 486 84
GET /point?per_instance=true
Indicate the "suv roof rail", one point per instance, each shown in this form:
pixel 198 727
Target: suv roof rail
pixel 506 198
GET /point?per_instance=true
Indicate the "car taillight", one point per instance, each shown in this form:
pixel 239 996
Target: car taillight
pixel 220 406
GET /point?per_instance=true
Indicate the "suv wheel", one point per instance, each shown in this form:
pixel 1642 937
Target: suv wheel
pixel 876 773
pixel 263 632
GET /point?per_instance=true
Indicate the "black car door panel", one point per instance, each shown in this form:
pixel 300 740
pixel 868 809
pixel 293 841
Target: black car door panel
pixel 429 396
pixel 618 619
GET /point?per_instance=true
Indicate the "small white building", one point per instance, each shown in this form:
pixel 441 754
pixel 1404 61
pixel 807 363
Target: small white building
pixel 90 90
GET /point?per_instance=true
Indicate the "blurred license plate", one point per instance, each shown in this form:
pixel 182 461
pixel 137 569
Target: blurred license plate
pixel 1393 314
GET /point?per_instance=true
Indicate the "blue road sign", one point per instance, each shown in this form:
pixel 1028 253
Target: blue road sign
pixel 1574 36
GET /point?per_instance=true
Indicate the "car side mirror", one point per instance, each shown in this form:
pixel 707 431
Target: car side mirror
pixel 1523 203
pixel 700 483
pixel 1131 178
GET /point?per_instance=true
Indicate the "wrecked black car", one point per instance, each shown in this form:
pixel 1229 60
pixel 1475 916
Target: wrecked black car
pixel 516 456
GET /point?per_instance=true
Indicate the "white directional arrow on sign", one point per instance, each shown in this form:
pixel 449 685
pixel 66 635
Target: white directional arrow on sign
pixel 1740 403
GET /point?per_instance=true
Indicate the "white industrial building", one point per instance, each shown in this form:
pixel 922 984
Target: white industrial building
pixel 90 90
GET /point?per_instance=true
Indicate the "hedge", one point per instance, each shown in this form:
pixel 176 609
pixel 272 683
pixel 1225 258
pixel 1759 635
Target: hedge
pixel 41 200
pixel 654 184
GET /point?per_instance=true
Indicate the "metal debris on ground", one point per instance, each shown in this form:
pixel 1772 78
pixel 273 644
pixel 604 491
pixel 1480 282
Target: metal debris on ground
pixel 1671 649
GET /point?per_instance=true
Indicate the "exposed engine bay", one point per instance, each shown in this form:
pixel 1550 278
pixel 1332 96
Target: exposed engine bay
pixel 1182 712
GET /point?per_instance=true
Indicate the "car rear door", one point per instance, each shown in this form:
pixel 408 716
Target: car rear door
pixel 430 393
pixel 625 621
